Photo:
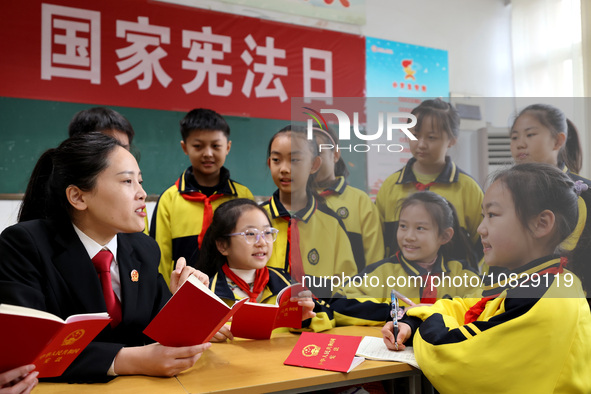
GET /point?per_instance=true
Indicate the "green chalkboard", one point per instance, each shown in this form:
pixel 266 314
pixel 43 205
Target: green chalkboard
pixel 29 127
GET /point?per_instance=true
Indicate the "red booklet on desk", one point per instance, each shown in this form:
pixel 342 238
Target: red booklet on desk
pixel 192 316
pixel 30 336
pixel 257 321
pixel 325 351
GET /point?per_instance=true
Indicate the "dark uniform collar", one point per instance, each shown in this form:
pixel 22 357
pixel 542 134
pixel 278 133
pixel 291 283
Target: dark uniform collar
pixel 278 280
pixel 278 210
pixel 449 174
pixel 339 185
pixel 414 269
pixel 188 183
pixel 511 279
pixel 572 175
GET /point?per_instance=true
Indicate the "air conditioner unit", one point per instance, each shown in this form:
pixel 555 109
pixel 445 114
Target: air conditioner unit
pixel 482 151
pixel 499 148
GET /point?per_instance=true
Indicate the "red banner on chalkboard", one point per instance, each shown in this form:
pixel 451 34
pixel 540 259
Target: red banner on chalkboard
pixel 138 53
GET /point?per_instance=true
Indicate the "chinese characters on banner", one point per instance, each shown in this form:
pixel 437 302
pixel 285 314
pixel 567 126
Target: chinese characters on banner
pixel 160 56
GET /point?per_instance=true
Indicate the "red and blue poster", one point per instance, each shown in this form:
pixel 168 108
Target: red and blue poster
pixel 398 77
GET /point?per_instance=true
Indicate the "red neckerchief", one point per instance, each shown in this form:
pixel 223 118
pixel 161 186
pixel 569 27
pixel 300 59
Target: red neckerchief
pixel 207 208
pixel 476 310
pixel 423 186
pixel 556 270
pixel 260 281
pixel 429 294
pixel 327 192
pixel 296 266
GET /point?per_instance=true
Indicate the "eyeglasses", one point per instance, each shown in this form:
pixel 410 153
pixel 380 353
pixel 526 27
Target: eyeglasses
pixel 253 235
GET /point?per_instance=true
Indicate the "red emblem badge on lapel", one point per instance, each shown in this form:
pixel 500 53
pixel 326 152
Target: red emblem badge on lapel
pixel 135 276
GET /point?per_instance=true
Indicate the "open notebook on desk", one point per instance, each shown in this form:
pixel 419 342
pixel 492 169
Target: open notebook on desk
pixel 374 348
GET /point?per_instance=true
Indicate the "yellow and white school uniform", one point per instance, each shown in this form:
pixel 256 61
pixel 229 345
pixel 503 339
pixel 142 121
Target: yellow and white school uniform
pixel 533 338
pixel 366 299
pixel 324 247
pixel 177 221
pixel 455 185
pixel 229 292
pixel 361 219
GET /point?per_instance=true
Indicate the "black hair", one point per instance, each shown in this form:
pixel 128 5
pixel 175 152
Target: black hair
pixel 556 121
pixel 223 223
pixel 100 119
pixel 287 130
pixel 536 187
pixel 200 119
pixel 442 115
pixel 76 161
pixel 340 168
pixel 444 216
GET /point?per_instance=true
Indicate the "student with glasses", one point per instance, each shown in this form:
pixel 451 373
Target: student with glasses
pixel 234 253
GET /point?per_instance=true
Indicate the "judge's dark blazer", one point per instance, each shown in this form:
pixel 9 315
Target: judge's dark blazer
pixel 44 266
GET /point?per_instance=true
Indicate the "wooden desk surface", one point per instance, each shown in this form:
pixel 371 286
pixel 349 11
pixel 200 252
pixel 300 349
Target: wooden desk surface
pixel 247 366
pixel 120 385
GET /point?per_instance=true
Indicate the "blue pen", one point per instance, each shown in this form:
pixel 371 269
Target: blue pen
pixel 394 315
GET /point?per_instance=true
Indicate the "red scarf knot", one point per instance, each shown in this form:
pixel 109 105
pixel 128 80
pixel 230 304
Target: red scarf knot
pixel 476 310
pixel 429 294
pixel 260 282
pixel 423 186
pixel 207 208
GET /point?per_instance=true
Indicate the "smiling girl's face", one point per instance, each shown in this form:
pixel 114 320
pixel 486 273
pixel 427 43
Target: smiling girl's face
pixel 418 236
pixel 241 254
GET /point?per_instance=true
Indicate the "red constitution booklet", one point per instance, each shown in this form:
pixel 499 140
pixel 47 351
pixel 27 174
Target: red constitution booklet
pixel 192 316
pixel 257 321
pixel 325 351
pixel 30 336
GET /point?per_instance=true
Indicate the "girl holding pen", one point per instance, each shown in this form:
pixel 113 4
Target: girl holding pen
pixel 428 234
pixel 532 327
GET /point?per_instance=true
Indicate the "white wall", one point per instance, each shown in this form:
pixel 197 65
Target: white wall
pixel 476 34
pixel 8 212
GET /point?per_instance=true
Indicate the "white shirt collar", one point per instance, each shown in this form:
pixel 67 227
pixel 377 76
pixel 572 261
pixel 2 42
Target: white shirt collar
pixel 93 247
